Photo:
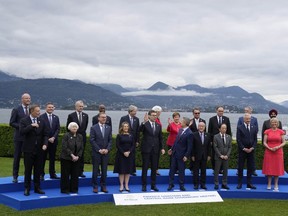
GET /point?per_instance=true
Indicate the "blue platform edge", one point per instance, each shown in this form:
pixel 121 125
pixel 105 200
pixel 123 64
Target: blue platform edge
pixel 11 194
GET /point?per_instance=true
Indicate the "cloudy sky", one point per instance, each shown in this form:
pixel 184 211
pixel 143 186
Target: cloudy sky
pixel 136 43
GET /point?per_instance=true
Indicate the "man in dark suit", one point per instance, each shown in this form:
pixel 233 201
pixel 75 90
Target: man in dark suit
pixel 194 128
pixel 101 141
pixel 102 109
pixel 81 119
pixel 180 152
pixel 201 153
pixel 134 130
pixel 151 146
pixel 35 141
pixel 16 115
pixel 266 124
pixel 52 122
pixel 213 128
pixel 247 141
pixel 222 144
pixel 253 122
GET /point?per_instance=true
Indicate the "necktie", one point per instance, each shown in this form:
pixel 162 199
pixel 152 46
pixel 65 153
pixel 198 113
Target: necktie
pixel 80 118
pixel 26 111
pixel 34 120
pixel 131 122
pixel 50 120
pixel 153 127
pixel 223 139
pixel 103 130
pixel 247 128
pixel 202 138
pixel 220 121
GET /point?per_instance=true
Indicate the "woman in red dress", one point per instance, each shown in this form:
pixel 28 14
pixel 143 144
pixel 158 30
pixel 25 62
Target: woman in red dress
pixel 273 163
pixel 173 128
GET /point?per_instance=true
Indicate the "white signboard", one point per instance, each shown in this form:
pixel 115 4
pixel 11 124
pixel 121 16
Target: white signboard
pixel 166 198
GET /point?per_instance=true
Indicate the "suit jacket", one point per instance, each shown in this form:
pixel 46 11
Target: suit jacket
pixel 246 139
pixel 55 129
pixel 183 144
pixel 266 125
pixel 220 148
pixel 133 130
pixel 213 127
pixel 71 145
pixel 193 126
pixel 108 120
pixel 98 141
pixel 16 115
pixel 73 117
pixel 151 142
pixel 201 151
pixel 33 138
pixel 253 121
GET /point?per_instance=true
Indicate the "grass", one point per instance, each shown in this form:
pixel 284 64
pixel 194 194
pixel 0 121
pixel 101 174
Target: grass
pixel 228 207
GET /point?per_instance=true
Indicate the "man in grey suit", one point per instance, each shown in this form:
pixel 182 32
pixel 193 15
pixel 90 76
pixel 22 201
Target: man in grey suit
pixel 222 147
pixel 101 141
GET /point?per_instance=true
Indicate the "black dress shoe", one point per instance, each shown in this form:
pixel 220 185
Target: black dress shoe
pixel 182 188
pixel 82 175
pixel 216 187
pixel 144 189
pixel 196 187
pixel 221 172
pixel 154 188
pixel 203 187
pixel 104 189
pixel 54 176
pixel 128 190
pixel 239 186
pixel 64 192
pixel 39 191
pixel 251 186
pixel 170 187
pixel 254 173
pixel 225 187
pixel 133 174
pixel 157 173
pixel 15 180
pixel 27 192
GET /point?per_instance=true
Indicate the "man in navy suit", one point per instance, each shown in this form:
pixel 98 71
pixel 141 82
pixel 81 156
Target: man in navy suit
pixel 102 109
pixel 134 130
pixel 151 146
pixel 16 115
pixel 52 122
pixel 180 151
pixel 101 141
pixel 81 119
pixel 35 140
pixel 247 141
pixel 253 122
pixel 213 128
pixel 201 153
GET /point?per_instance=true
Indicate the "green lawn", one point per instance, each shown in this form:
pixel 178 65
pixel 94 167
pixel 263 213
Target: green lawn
pixel 231 207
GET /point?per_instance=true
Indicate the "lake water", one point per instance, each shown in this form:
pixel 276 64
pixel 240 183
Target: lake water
pixel 116 115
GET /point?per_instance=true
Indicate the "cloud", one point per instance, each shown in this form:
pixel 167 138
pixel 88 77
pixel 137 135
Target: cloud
pixel 137 43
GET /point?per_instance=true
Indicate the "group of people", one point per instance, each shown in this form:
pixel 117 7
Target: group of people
pixel 37 136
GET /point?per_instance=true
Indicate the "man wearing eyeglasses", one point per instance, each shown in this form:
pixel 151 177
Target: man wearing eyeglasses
pixel 151 146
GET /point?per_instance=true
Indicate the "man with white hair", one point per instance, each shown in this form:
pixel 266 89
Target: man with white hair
pixel 81 119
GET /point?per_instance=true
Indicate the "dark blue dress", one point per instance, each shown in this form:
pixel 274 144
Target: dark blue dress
pixel 123 164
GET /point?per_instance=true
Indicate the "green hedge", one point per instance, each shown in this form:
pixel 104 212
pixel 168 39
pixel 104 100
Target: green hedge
pixel 7 149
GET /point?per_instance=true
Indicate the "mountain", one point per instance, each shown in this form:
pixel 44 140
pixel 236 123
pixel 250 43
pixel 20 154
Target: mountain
pixel 118 89
pixel 284 103
pixel 5 77
pixel 63 93
pixel 233 98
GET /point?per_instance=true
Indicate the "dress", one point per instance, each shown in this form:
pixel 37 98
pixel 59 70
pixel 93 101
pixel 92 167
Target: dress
pixel 173 129
pixel 124 143
pixel 273 162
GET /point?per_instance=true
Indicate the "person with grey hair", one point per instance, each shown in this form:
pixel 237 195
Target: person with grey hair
pixel 81 119
pixel 133 121
pixel 253 121
pixel 180 152
pixel 71 152
pixel 246 137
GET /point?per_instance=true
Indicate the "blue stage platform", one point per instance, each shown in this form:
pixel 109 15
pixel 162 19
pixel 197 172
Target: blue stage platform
pixel 11 194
